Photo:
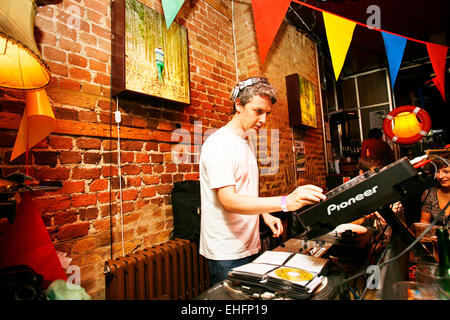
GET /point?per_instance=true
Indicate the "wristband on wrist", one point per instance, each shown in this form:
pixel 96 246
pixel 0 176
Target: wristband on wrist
pixel 284 204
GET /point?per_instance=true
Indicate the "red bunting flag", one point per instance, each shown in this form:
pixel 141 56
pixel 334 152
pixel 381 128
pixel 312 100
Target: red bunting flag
pixel 438 57
pixel 438 86
pixel 268 15
pixel 27 242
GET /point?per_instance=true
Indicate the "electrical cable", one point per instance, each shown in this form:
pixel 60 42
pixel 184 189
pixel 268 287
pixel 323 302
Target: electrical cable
pixel 414 242
pixel 378 262
pixel 118 120
pixel 355 295
pixel 234 41
pixel 300 18
pixel 422 163
pixel 379 240
pixel 435 169
pixel 383 231
pixel 427 229
pixel 111 102
pixel 110 188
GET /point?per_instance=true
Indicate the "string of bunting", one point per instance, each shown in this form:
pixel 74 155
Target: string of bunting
pixel 268 15
pixel 171 8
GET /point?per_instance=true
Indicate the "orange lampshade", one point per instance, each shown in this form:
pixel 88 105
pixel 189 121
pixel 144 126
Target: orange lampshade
pixel 38 121
pixel 21 64
pixel 406 125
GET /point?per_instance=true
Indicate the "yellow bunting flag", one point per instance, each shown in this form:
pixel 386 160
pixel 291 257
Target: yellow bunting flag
pixel 37 122
pixel 339 34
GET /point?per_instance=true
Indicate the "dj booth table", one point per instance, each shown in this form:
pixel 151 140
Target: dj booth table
pixel 351 256
pixel 346 259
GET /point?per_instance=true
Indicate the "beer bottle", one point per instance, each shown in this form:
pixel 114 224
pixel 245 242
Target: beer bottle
pixel 443 244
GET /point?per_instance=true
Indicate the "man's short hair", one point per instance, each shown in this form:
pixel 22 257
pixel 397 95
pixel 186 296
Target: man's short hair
pixel 260 87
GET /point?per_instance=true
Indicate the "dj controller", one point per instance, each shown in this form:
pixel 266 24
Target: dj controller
pixel 354 199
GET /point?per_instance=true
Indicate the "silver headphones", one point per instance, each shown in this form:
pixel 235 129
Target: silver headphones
pixel 246 83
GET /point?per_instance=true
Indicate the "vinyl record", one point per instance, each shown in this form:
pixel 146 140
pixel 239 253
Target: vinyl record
pixel 294 274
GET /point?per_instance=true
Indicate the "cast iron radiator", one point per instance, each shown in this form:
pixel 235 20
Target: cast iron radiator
pixel 173 270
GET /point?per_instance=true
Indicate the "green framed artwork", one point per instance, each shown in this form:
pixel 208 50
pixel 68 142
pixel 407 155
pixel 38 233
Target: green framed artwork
pixel 148 58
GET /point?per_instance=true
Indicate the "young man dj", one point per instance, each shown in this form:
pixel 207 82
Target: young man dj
pixel 229 181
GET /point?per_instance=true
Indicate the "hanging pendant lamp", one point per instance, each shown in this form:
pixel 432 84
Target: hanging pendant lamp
pixel 22 68
pixel 407 124
pixel 21 64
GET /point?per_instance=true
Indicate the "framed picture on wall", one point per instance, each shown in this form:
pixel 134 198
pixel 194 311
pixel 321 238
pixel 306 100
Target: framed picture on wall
pixel 301 101
pixel 148 58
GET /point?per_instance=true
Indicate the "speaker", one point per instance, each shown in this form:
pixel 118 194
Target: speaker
pixel 20 282
pixel 293 99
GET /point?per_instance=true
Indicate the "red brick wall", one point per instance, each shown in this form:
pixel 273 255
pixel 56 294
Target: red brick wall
pixel 83 217
pixel 291 52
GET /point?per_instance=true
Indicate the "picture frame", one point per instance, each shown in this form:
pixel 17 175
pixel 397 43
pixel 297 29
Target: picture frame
pixel 148 59
pixel 301 101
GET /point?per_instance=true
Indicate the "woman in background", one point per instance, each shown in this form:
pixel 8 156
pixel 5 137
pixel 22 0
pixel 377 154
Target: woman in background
pixel 436 198
pixel 368 163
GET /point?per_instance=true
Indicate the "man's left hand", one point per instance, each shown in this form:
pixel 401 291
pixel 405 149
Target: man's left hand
pixel 274 224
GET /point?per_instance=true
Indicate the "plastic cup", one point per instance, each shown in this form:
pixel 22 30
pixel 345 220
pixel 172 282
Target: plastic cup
pixel 426 273
pixel 419 227
pixel 411 290
pixel 429 240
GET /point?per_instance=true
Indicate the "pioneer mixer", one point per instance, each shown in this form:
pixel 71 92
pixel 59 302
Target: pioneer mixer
pixel 352 200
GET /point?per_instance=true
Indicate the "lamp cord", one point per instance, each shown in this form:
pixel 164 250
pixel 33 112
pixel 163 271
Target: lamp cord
pixel 234 41
pixel 26 148
pixel 118 120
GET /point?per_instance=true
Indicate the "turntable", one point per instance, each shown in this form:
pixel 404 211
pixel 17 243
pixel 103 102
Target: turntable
pixel 282 273
pixel 16 183
pixel 345 241
pixel 327 287
pixel 327 290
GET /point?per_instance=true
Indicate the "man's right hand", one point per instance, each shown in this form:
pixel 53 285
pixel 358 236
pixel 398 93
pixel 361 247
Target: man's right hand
pixel 304 195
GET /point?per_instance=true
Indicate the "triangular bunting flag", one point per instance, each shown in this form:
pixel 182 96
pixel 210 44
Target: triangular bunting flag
pixel 395 46
pixel 171 8
pixel 268 15
pixel 438 57
pixel 438 86
pixel 339 34
pixel 27 242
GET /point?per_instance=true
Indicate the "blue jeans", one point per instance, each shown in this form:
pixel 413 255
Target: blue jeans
pixel 218 269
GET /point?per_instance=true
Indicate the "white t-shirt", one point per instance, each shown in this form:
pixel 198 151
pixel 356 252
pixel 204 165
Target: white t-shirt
pixel 227 160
